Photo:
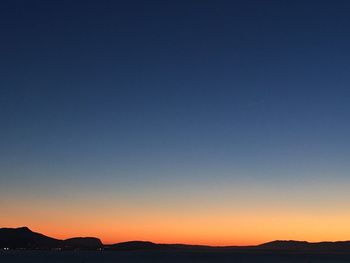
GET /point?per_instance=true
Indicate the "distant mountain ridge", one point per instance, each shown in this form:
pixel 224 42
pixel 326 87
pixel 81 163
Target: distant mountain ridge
pixel 337 246
pixel 147 245
pixel 24 238
pixel 83 243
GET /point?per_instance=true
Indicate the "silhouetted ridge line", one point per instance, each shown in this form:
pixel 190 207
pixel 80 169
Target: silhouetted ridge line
pixel 135 245
pixel 83 243
pixel 24 238
pixel 147 245
pixel 338 246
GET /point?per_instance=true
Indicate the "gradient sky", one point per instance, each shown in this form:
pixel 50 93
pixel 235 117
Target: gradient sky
pixel 209 122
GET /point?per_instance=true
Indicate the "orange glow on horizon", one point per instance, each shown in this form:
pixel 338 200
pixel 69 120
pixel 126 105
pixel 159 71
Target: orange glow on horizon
pixel 206 231
pixel 211 223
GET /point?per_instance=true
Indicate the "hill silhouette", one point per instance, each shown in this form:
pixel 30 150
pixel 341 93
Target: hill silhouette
pixel 338 246
pixel 136 245
pixel 24 238
pixel 147 245
pixel 82 243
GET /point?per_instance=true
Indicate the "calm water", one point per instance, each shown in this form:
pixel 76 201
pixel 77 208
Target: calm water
pixel 164 257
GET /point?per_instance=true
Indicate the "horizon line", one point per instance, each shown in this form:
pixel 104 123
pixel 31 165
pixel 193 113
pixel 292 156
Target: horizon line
pixel 179 243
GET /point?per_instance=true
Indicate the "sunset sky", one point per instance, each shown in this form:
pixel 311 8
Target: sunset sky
pixel 222 122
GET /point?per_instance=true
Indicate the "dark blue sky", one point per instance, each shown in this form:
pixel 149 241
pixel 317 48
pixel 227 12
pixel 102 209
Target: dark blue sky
pixel 128 95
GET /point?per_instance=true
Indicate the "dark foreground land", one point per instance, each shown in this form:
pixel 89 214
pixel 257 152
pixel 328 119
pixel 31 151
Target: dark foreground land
pixel 21 245
pixel 17 256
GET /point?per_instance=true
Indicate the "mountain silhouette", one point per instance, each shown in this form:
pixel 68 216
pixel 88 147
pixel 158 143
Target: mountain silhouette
pixel 285 244
pixel 136 245
pixel 338 246
pixel 83 243
pixel 24 238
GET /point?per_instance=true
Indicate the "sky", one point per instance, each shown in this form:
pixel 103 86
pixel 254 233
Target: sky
pixel 203 122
